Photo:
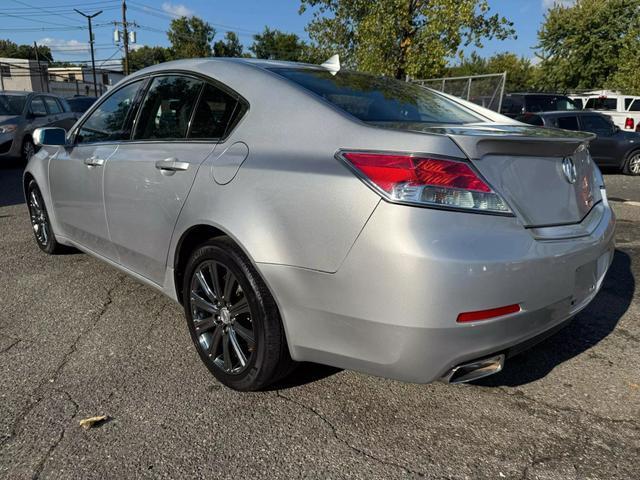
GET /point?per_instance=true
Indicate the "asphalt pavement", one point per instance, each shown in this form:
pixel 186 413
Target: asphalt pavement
pixel 78 339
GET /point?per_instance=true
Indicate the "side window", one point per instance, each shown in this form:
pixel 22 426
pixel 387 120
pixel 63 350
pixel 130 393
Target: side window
pixel 596 124
pixel 109 121
pixel 52 105
pixel 568 123
pixel 217 112
pixel 635 106
pixel 38 108
pixel 167 107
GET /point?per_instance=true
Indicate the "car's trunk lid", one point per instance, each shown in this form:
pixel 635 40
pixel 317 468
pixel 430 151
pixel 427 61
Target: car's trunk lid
pixel 524 164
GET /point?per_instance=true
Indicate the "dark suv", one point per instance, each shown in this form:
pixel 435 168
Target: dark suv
pixel 612 147
pixel 514 104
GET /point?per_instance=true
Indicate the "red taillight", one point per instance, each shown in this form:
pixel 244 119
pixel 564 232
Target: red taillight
pixel 488 314
pixel 628 123
pixel 415 179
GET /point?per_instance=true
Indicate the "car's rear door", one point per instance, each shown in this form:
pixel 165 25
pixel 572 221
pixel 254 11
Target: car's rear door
pixel 76 173
pixel 148 178
pixel 604 147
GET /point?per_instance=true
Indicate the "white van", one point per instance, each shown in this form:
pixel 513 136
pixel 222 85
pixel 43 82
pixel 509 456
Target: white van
pixel 624 110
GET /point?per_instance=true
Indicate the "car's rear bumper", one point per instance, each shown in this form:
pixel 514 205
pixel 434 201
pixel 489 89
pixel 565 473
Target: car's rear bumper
pixel 391 308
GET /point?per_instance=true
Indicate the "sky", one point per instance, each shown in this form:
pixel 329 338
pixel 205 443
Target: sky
pixel 57 25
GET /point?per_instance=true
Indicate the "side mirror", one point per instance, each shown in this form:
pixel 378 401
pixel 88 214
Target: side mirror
pixel 51 136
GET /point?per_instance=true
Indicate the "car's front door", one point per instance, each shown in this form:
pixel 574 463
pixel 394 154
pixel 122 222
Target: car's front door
pixel 605 146
pixel 149 178
pixel 76 172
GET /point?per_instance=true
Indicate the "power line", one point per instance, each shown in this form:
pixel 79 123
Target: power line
pixel 20 2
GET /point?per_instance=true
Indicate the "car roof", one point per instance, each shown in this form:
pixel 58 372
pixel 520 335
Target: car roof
pixel 558 113
pixel 542 94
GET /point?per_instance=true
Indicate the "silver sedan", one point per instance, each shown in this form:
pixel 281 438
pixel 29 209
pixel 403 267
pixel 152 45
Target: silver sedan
pixel 312 213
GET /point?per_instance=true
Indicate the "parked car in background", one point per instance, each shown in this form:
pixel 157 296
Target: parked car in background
pixel 624 110
pixel 612 147
pixel 21 113
pixel 514 104
pixel 80 104
pixel 319 214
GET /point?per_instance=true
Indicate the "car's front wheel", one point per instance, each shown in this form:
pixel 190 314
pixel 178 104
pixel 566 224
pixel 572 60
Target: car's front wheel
pixel 632 165
pixel 28 149
pixel 40 222
pixel 233 319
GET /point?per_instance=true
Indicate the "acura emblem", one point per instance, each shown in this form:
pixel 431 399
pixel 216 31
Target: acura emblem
pixel 569 170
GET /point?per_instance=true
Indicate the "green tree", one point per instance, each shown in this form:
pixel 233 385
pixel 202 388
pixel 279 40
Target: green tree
pixel 627 78
pixel 229 47
pixel 581 45
pixel 277 45
pixel 190 37
pixel 145 56
pixel 11 49
pixel 402 37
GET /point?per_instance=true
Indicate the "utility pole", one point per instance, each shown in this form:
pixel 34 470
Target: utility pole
pixel 35 46
pixel 93 61
pixel 125 39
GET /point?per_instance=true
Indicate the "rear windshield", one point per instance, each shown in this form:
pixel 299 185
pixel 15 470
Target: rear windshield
pixel 12 104
pixel 378 99
pixel 549 103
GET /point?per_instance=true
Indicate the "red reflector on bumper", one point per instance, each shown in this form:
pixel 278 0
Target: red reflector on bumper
pixel 488 314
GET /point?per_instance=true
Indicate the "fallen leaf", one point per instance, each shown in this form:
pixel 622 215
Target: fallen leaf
pixel 87 423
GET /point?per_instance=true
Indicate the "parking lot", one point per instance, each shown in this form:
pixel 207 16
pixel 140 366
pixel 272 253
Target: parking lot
pixel 78 339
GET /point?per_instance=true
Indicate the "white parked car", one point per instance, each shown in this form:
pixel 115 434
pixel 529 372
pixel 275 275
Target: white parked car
pixel 624 110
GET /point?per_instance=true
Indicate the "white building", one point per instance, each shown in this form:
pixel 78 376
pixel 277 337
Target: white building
pixel 23 74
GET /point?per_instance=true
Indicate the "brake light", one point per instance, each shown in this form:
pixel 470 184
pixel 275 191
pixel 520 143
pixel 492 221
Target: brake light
pixel 628 123
pixel 411 179
pixel 488 314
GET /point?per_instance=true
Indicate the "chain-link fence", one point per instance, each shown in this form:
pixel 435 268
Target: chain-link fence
pixel 484 90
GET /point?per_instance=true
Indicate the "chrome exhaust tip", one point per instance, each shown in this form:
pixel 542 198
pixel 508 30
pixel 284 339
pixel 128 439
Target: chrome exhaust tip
pixel 467 372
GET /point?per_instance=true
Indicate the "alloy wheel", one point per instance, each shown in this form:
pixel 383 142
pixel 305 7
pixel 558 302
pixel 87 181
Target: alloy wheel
pixel 634 164
pixel 39 219
pixel 28 150
pixel 222 317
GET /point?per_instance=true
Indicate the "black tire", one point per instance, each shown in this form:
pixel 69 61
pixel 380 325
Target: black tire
pixel 28 149
pixel 45 237
pixel 632 164
pixel 267 358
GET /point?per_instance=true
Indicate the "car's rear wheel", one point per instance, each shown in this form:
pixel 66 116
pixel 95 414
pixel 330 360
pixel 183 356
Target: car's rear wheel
pixel 632 165
pixel 45 238
pixel 28 149
pixel 233 319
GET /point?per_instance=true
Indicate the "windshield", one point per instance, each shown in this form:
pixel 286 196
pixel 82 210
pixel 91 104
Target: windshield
pixel 378 99
pixel 12 104
pixel 549 103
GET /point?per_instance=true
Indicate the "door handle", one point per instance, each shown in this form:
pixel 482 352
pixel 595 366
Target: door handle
pixel 94 162
pixel 172 165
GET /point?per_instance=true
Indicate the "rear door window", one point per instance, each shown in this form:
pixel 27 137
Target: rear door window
pixel 596 124
pixel 569 122
pixel 111 120
pixel 601 103
pixel 216 114
pixel 549 103
pixel 53 105
pixel 38 108
pixel 167 108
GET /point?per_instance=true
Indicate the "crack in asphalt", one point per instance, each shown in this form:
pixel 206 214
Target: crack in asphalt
pixel 51 379
pixel 633 424
pixel 43 461
pixel 11 345
pixel 334 431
